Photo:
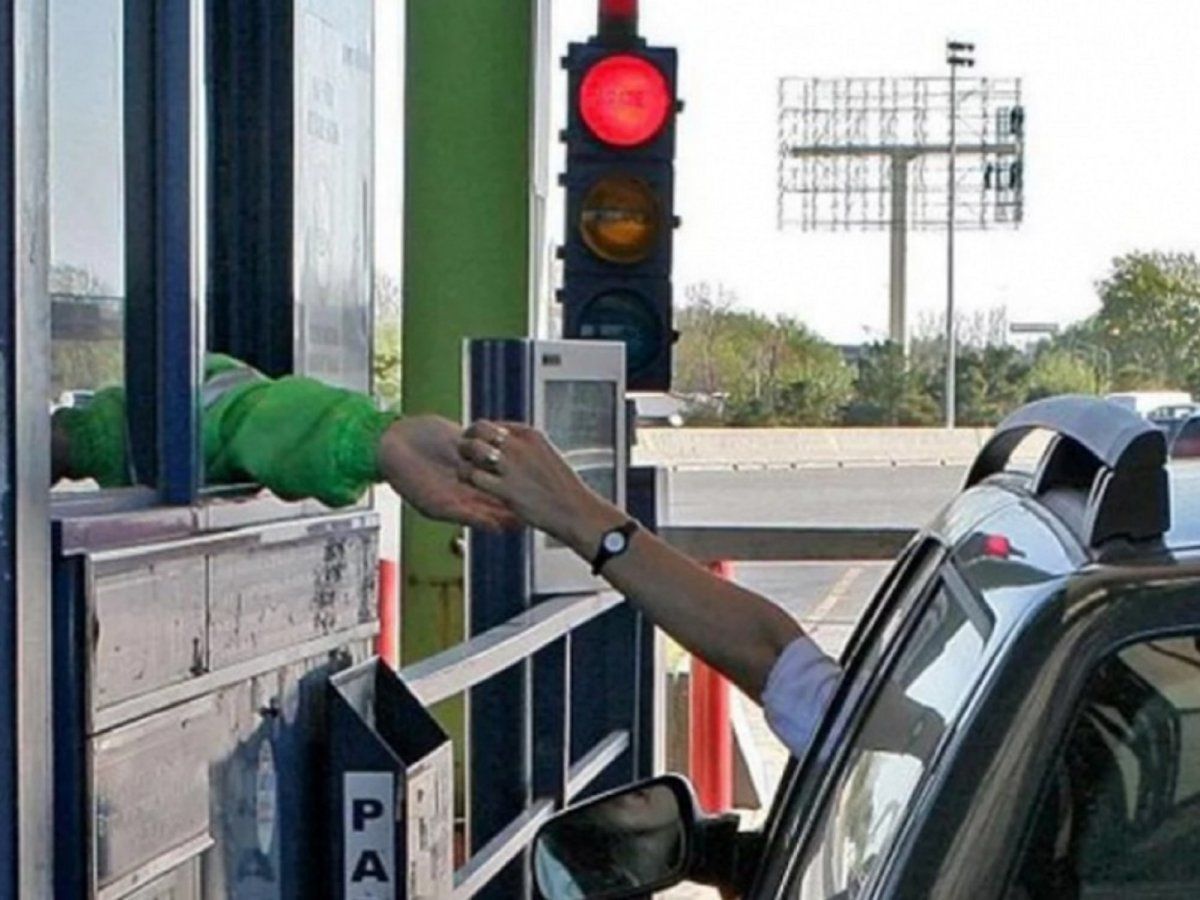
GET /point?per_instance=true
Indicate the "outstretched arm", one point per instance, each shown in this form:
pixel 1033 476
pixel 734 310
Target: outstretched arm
pixel 417 457
pixel 735 630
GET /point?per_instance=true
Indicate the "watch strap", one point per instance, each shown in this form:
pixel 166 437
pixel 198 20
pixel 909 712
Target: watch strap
pixel 603 554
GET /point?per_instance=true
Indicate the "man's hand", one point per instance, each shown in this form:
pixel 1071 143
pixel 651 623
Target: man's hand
pixel 419 458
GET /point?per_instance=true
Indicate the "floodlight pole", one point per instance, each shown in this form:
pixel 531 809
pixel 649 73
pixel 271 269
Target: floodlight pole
pixel 898 304
pixel 957 54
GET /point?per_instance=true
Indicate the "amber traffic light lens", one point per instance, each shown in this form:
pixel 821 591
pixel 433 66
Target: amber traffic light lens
pixel 620 219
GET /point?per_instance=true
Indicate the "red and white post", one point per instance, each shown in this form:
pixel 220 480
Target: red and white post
pixel 710 742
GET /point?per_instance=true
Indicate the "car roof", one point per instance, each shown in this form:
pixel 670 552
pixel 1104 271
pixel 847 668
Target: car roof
pixel 1004 501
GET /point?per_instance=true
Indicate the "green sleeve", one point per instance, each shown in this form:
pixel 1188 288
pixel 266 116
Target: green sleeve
pixel 298 437
pixel 96 439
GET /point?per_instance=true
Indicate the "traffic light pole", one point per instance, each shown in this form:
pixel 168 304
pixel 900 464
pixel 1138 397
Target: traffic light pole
pixel 617 23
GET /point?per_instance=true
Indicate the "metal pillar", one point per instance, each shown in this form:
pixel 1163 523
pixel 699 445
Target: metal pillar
pixel 950 330
pixel 958 53
pixel 468 137
pixel 26 795
pixel 898 305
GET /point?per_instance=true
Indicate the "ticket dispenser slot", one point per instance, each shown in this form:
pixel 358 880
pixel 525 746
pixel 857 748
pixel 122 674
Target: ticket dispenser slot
pixel 573 391
pixel 391 790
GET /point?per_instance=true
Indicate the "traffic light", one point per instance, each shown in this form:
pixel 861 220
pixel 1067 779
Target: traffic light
pixel 619 182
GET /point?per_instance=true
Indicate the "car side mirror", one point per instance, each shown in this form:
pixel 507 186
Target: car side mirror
pixel 626 843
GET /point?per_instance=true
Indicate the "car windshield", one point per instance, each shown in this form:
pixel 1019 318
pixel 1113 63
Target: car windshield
pixel 912 713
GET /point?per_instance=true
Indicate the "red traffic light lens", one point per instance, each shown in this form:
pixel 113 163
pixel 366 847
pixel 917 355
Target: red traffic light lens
pixel 624 100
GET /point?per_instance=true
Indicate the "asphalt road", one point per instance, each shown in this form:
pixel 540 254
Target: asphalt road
pixel 864 495
pixel 827 597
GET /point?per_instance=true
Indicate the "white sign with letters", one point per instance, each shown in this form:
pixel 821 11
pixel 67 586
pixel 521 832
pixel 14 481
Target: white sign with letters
pixel 428 820
pixel 369 814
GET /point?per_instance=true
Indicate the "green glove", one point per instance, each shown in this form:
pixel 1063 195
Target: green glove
pixel 296 436
pixel 95 439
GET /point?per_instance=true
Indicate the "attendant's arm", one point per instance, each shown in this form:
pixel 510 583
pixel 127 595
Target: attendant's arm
pixel 735 630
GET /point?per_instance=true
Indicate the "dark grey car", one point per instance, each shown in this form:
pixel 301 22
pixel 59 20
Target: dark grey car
pixel 1020 712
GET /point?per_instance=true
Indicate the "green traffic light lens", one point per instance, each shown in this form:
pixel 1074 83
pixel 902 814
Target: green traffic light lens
pixel 627 316
pixel 620 219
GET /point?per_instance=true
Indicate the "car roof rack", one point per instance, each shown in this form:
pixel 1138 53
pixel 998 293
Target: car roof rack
pixel 1110 454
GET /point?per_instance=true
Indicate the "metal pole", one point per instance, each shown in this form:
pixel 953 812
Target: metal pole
pixel 898 318
pixel 950 336
pixel 467 166
pixel 27 846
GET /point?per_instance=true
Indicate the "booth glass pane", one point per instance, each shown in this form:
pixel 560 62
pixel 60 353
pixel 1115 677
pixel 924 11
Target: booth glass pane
pixel 87 203
pixel 334 187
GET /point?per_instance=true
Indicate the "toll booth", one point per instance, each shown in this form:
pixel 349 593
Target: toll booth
pixel 190 691
pixel 210 174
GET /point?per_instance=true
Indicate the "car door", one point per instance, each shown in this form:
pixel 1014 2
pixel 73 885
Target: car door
pixel 904 587
pixel 1120 815
pixel 884 759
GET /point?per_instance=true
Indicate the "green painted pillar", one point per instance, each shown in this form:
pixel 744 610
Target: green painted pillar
pixel 468 145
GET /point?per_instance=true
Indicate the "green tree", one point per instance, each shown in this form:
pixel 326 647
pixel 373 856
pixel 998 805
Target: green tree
pixel 765 371
pixel 1149 320
pixel 892 390
pixel 990 382
pixel 1058 370
pixel 385 360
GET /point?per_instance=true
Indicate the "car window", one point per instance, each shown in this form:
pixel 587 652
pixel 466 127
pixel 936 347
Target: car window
pixel 1186 444
pixel 1121 816
pixel 892 603
pixel 893 750
pixel 901 587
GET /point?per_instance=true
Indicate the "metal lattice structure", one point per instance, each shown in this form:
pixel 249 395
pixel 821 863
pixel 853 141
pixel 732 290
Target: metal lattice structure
pixel 866 153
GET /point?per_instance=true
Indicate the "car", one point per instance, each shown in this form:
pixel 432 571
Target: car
pixel 1182 431
pixel 1019 715
pixel 1173 411
pixel 1145 402
pixel 1184 441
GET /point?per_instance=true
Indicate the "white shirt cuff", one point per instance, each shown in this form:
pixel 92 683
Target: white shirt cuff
pixel 797 692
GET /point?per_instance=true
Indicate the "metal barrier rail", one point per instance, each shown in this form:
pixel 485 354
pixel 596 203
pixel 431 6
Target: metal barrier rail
pixel 467 664
pixel 486 655
pixel 755 543
pixel 502 849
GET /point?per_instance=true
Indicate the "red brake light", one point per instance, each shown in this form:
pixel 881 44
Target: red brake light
pixel 997 545
pixel 624 100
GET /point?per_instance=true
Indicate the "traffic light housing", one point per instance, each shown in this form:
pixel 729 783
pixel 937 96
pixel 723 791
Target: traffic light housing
pixel 620 217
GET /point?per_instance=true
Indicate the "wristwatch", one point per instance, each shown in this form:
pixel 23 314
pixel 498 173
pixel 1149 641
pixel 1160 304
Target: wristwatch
pixel 614 542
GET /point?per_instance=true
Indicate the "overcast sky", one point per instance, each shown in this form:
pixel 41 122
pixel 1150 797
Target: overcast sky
pixel 1113 145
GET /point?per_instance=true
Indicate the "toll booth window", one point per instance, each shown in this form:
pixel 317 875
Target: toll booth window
pixel 1121 812
pixel 87 234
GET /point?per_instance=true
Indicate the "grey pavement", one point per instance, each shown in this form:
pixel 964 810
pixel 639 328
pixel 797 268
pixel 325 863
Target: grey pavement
pixel 864 495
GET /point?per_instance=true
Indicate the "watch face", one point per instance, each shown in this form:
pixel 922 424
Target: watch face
pixel 614 542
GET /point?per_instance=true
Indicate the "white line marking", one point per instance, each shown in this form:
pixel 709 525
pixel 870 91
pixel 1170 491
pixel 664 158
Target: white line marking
pixel 836 594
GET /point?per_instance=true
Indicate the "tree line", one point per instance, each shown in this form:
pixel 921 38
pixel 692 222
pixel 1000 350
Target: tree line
pixel 739 367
